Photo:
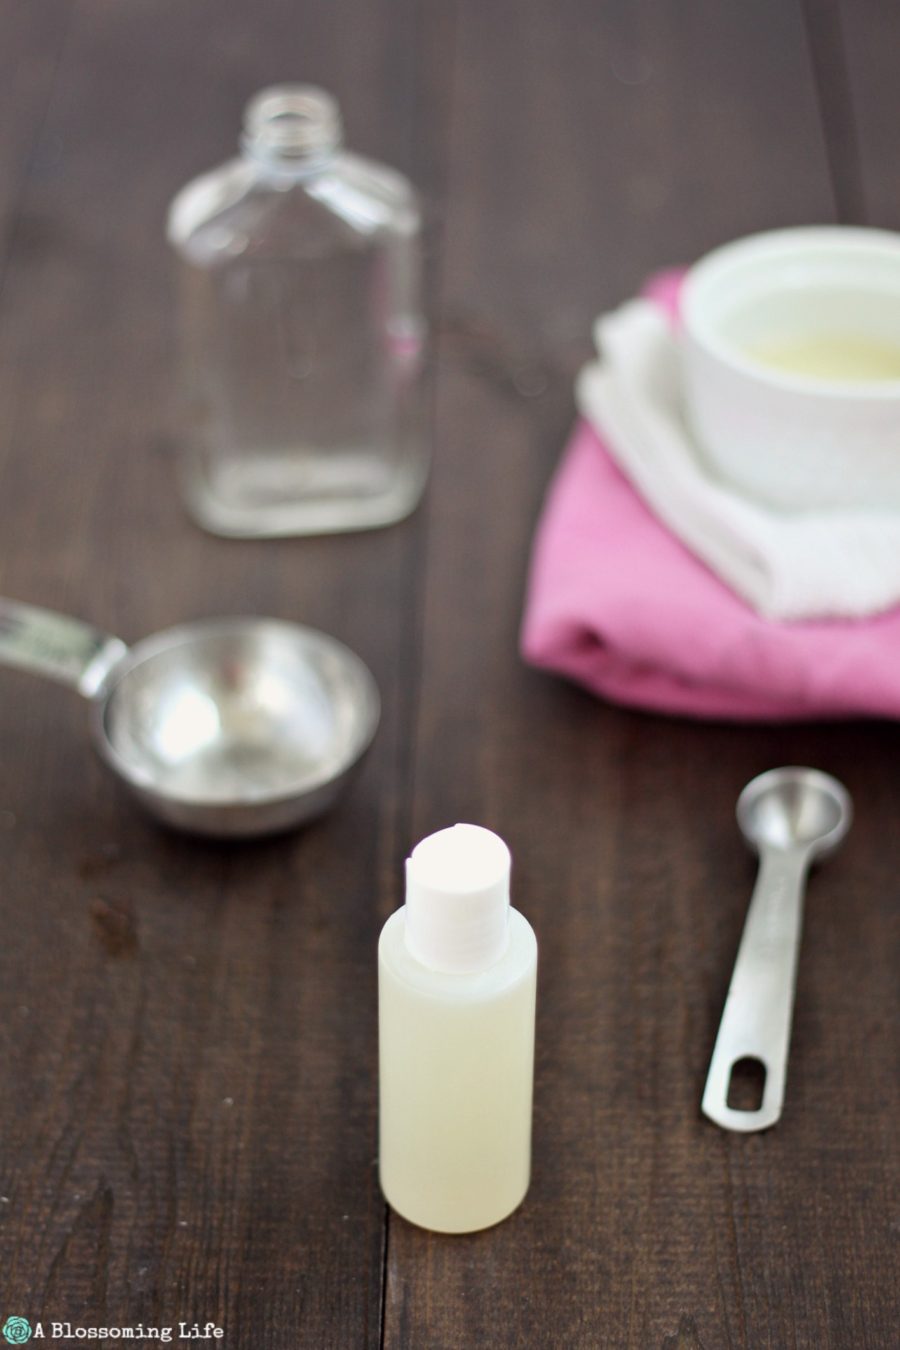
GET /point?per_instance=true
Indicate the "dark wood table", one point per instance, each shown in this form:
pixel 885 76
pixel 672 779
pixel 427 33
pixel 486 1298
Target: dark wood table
pixel 188 1099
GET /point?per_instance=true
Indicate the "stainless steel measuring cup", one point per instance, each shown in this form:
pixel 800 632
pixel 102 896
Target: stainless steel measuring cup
pixel 790 817
pixel 227 727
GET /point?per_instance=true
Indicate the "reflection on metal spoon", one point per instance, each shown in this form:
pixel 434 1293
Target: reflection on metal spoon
pixel 224 727
pixel 790 817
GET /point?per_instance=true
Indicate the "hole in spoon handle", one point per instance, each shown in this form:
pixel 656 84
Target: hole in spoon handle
pixel 746 1085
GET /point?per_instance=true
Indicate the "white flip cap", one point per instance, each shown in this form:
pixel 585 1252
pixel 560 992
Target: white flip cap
pixel 457 899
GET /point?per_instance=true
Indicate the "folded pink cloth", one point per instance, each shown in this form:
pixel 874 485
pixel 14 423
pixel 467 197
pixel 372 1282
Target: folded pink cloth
pixel 619 604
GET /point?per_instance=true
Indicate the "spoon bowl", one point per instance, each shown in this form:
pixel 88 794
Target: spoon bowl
pixel 795 808
pixel 224 727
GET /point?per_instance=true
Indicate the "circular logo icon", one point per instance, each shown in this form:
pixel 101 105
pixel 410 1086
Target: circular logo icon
pixel 17 1330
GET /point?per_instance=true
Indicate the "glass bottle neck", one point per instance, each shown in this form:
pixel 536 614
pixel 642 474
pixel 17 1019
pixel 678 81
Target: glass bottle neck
pixel 291 130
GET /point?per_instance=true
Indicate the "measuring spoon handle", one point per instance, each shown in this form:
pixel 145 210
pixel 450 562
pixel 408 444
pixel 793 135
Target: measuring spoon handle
pixel 52 644
pixel 756 1020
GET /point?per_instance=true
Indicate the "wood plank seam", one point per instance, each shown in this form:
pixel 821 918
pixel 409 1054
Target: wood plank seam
pixel 828 56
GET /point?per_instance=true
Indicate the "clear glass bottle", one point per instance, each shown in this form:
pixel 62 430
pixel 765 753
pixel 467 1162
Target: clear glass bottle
pixel 302 330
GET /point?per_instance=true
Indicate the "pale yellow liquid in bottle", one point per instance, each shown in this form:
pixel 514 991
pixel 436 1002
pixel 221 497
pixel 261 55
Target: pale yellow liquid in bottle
pixel 831 357
pixel 455 1079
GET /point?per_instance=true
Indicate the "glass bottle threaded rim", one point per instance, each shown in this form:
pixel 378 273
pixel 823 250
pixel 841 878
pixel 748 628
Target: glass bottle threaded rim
pixel 291 123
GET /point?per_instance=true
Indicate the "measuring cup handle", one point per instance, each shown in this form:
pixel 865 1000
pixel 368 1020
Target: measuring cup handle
pixel 756 1020
pixel 53 644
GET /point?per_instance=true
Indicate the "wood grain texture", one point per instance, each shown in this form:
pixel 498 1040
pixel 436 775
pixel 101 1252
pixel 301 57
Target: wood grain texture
pixel 187 1033
pixel 870 37
pixel 588 146
pixel 838 105
pixel 32 38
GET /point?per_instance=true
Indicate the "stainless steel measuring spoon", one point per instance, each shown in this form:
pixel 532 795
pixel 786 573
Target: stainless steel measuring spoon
pixel 222 727
pixel 790 817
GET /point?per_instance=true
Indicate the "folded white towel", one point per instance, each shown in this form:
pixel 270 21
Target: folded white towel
pixel 819 565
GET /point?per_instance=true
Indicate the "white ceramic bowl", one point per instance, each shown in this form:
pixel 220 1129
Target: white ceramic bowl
pixel 796 442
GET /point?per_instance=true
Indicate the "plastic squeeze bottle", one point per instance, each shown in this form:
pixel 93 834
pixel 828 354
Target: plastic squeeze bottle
pixel 456 979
